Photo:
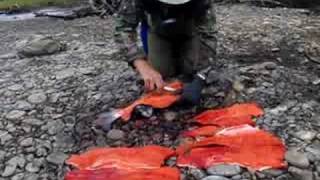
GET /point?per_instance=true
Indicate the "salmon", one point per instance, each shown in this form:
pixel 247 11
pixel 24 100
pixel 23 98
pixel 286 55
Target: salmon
pixel 201 131
pixel 244 145
pixel 235 115
pixel 164 173
pixel 156 99
pixel 148 157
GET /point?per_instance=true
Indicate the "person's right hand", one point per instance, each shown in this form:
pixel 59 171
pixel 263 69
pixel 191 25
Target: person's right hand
pixel 152 78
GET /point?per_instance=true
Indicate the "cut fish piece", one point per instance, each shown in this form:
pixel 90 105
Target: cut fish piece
pixel 244 145
pixel 149 157
pixel 237 114
pixel 202 131
pixel 156 99
pixel 165 173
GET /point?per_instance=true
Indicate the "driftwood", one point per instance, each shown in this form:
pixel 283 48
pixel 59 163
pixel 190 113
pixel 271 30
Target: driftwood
pixel 106 7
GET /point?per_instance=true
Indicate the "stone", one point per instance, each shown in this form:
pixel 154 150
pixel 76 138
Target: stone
pixel 26 142
pixel 305 135
pixel 37 98
pixel 215 178
pixel 57 158
pixel 55 127
pixel 40 45
pixel 115 134
pixel 23 105
pixel 301 174
pixel 9 170
pixel 197 173
pixel 33 122
pixel 224 170
pixel 316 82
pixel 34 166
pixel 297 159
pixel 2 155
pixel 15 87
pixel 19 176
pixel 66 73
pixel 170 115
pixel 273 172
pixel 15 114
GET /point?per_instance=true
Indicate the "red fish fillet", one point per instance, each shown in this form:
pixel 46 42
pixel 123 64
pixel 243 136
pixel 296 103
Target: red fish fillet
pixel 243 145
pixel 157 99
pixel 165 173
pixel 237 114
pixel 148 157
pixel 202 131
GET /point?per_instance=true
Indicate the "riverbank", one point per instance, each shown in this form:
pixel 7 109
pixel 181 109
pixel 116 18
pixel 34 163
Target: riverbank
pixel 24 5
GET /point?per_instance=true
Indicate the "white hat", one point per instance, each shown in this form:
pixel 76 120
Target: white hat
pixel 174 2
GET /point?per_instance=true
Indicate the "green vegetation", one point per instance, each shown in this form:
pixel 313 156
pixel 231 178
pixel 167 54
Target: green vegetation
pixel 26 4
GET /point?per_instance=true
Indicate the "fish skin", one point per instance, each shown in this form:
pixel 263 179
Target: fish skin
pixel 148 157
pixel 243 145
pixel 201 131
pixel 156 99
pixel 164 173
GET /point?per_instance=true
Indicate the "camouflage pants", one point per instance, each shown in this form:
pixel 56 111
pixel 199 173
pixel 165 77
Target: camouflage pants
pixel 173 57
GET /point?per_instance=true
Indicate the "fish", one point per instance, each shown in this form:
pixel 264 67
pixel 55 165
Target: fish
pixel 237 114
pixel 148 157
pixel 244 145
pixel 164 173
pixel 201 131
pixel 164 98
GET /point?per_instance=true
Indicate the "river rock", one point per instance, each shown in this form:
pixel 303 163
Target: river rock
pixel 41 45
pixel 37 98
pixel 215 178
pixel 15 114
pixel 224 170
pixel 57 158
pixel 297 159
pixel 301 174
pixel 115 134
pixel 197 173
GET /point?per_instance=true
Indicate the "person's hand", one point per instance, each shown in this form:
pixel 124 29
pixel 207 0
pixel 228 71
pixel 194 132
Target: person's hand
pixel 152 78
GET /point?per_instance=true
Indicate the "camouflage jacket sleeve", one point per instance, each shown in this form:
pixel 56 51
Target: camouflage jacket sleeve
pixel 126 36
pixel 207 31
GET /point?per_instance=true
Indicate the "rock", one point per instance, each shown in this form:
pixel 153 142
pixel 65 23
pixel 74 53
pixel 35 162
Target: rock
pixel 66 73
pixel 273 172
pixel 297 159
pixel 33 122
pixel 37 98
pixel 87 71
pixel 8 56
pixel 170 115
pixel 316 82
pixel 224 170
pixel 197 173
pixel 26 142
pixel 300 174
pixel 115 134
pixel 15 114
pixel 41 45
pixel 19 176
pixel 9 170
pixel 34 166
pixel 2 155
pixel 215 178
pixel 23 105
pixel 305 135
pixel 55 127
pixel 57 158
pixel 15 87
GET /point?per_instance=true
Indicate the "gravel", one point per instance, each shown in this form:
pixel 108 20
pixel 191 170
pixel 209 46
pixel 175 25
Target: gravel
pixel 48 102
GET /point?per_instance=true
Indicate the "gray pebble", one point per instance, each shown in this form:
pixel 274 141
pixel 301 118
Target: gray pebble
pixel 15 114
pixel 224 170
pixel 301 174
pixel 115 134
pixel 57 158
pixel 215 178
pixel 297 159
pixel 37 98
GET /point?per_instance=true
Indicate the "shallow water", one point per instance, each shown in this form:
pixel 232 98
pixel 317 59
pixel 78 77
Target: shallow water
pixel 16 17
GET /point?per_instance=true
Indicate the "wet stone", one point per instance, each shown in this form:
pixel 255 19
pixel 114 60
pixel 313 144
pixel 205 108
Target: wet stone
pixel 37 98
pixel 197 173
pixel 33 122
pixel 23 105
pixel 301 174
pixel 57 158
pixel 15 87
pixel 224 170
pixel 170 115
pixel 9 170
pixel 26 142
pixel 305 135
pixel 215 178
pixel 33 167
pixel 15 114
pixel 115 134
pixel 297 159
pixel 273 172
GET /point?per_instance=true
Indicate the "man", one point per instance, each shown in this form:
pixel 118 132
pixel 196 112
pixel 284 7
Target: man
pixel 176 29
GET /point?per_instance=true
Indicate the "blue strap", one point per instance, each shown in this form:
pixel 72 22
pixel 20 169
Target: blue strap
pixel 144 36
